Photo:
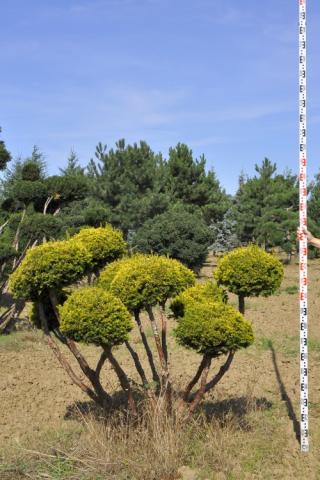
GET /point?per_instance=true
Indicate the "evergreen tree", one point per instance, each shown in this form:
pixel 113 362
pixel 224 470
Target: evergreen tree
pixel 224 233
pixel 176 233
pixel 279 216
pixel 187 181
pixel 314 211
pixel 314 203
pixel 73 167
pixel 266 208
pixel 5 155
pixel 250 200
pixel 125 179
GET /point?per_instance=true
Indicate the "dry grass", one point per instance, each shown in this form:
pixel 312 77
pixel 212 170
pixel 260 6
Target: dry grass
pixel 154 447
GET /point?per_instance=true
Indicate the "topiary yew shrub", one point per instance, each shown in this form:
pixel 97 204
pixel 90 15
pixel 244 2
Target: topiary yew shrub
pixel 99 314
pixel 105 244
pixel 249 272
pixel 88 315
pixel 199 292
pixel 207 325
pixel 213 328
pixel 50 266
pixel 143 281
pixel 92 315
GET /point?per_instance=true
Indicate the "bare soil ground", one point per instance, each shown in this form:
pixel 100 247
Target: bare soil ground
pixel 260 392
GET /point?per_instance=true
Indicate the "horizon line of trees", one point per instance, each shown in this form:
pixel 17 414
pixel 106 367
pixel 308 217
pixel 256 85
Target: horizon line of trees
pixel 172 206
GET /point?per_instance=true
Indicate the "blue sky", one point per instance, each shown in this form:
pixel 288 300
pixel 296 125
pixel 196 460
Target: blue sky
pixel 220 76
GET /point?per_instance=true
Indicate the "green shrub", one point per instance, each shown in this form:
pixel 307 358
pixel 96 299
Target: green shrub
pixel 105 244
pixel 200 292
pixel 249 271
pixel 145 280
pixel 28 191
pixel 213 328
pixel 37 226
pixel 177 233
pixel 110 271
pixel 52 265
pixel 92 315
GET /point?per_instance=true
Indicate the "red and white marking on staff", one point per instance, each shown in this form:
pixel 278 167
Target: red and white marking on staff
pixel 303 245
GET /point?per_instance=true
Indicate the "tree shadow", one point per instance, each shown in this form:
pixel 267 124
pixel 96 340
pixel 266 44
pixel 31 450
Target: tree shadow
pixel 79 409
pixel 284 395
pixel 236 408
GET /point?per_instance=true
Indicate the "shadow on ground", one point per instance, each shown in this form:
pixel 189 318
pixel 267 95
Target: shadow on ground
pixel 222 411
pixel 284 394
pixel 78 409
pixel 235 409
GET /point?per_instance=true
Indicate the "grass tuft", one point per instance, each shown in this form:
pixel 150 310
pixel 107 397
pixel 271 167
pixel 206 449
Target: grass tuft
pixel 291 290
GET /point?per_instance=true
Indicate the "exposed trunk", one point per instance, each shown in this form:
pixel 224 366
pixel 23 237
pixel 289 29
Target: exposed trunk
pixel 222 371
pixel 65 364
pixel 164 332
pixel 123 379
pixel 157 339
pixel 216 379
pixel 195 379
pixel 92 375
pixel 198 396
pixel 46 205
pixel 166 387
pixel 137 364
pixel 241 304
pixel 15 243
pixel 155 375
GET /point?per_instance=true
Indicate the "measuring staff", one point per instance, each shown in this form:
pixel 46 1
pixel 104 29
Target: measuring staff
pixel 303 244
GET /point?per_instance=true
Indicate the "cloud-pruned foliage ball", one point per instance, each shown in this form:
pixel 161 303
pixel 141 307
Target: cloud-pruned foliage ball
pixel 143 281
pixel 250 272
pixel 213 328
pixel 93 315
pixel 105 244
pixel 52 265
pixel 110 271
pixel 208 291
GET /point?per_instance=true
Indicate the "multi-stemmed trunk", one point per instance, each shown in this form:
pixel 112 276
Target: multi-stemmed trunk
pixel 96 392
pixel 165 384
pixel 155 375
pixel 191 399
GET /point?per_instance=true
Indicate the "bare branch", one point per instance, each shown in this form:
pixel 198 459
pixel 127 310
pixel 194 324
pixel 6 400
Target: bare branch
pixel 195 379
pixel 46 205
pixel 198 396
pixel 62 360
pixel 2 227
pixel 137 363
pixel 155 375
pixel 123 379
pixel 222 371
pixel 163 318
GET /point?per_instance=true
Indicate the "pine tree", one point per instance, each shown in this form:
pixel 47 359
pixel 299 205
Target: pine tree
pixel 266 208
pixel 187 181
pixel 126 180
pixel 5 155
pixel 73 167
